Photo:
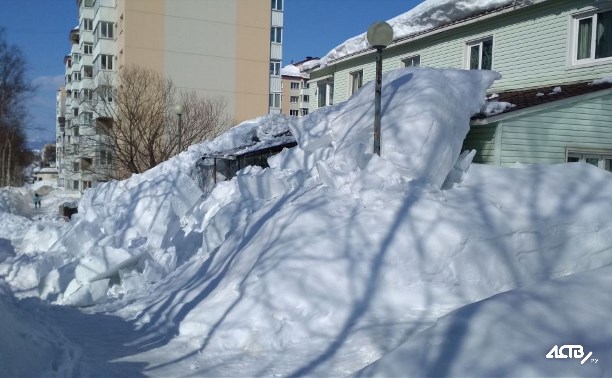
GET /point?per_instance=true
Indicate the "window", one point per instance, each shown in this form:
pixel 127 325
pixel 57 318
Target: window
pixel 325 93
pixel 87 94
pixel 104 157
pixel 75 112
pixel 87 24
pixel 304 111
pixel 105 29
pixel 305 85
pixel 87 71
pixel 75 130
pixel 87 117
pixel 75 94
pixel 305 98
pixel 75 167
pixel 295 85
pixel 275 100
pixel 104 93
pixel 68 79
pixel 413 61
pixel 294 112
pixel 76 76
pixel 356 80
pixel 593 37
pixel 480 55
pixel 75 184
pixel 86 185
pixel 87 48
pixel 275 67
pixel 76 57
pixel 276 34
pixel 277 5
pixel 105 62
pixel 599 159
pixel 294 99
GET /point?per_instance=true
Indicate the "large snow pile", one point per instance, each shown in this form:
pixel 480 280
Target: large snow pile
pixel 427 15
pixel 333 257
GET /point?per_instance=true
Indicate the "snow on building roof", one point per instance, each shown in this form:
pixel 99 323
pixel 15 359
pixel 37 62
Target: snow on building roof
pixel 291 70
pixel 429 15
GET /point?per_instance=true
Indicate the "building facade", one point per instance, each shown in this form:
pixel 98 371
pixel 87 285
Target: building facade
pixel 295 96
pixel 550 51
pixel 221 49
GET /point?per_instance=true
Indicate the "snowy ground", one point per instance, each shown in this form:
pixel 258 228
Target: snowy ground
pixel 332 262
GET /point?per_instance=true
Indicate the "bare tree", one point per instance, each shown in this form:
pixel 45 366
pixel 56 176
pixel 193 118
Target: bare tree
pixel 13 88
pixel 139 125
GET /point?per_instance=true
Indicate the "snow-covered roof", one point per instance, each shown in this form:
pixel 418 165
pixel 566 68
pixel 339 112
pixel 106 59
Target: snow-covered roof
pixel 429 15
pixel 521 99
pixel 291 70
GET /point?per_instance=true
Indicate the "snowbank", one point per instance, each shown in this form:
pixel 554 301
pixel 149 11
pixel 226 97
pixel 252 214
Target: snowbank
pixel 333 257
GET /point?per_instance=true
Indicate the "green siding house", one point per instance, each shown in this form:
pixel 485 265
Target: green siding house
pixel 549 52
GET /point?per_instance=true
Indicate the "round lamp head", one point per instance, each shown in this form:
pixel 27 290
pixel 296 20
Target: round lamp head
pixel 380 35
pixel 179 109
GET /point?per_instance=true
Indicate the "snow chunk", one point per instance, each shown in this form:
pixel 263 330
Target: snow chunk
pixel 416 136
pixel 604 80
pixel 496 107
pixel 291 70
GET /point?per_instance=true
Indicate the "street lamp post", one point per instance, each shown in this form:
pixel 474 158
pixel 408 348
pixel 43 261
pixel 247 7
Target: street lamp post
pixel 379 36
pixel 179 109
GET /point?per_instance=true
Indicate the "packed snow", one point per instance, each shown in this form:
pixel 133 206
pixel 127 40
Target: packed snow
pixel 331 262
pixel 427 15
pixel 291 70
pixel 603 80
pixel 495 107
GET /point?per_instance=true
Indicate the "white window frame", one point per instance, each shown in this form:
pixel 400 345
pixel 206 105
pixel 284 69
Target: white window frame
pixel 294 99
pixel 276 34
pixel 87 94
pixel 277 5
pixel 87 24
pixel 575 21
pixel 85 69
pixel 327 98
pixel 275 100
pixel 411 59
pixel 304 111
pixel 583 154
pixel 275 68
pixel 479 42
pixel 295 85
pixel 105 62
pixel 87 48
pixel 353 77
pixel 293 112
pixel 105 29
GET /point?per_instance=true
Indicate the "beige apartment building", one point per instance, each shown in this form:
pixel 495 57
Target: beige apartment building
pixel 230 49
pixel 295 92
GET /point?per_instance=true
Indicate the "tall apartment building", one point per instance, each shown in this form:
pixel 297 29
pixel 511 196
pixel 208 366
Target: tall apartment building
pixel 230 49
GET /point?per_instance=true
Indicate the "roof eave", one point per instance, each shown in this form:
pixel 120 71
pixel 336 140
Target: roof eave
pixel 539 107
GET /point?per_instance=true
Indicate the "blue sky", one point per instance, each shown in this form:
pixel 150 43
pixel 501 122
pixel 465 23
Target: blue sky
pixel 40 28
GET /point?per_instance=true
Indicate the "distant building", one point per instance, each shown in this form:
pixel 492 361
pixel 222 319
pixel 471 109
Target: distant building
pixel 295 97
pixel 230 49
pixel 44 174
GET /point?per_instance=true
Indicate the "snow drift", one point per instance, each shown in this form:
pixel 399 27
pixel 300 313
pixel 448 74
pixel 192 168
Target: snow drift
pixel 332 257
